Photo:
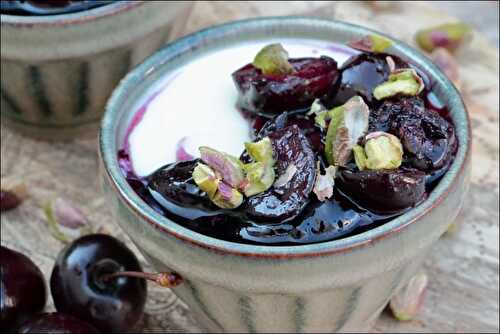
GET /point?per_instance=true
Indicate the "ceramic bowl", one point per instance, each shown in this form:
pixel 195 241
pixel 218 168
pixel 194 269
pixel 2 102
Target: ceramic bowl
pixel 58 71
pixel 334 286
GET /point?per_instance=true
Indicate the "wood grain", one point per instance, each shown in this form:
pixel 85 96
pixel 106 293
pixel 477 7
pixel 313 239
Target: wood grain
pixel 464 267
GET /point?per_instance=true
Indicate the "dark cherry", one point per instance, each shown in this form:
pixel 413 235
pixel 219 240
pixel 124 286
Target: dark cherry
pixel 306 123
pixel 22 288
pixel 428 139
pixel 56 323
pixel 80 285
pixel 285 202
pixel 272 94
pixel 384 191
pixel 8 200
pixel 362 73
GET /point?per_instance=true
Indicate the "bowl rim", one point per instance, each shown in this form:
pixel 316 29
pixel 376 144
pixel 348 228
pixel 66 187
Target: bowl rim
pixel 79 17
pixel 133 202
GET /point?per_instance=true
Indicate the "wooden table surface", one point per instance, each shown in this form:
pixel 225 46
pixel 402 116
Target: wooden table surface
pixel 464 268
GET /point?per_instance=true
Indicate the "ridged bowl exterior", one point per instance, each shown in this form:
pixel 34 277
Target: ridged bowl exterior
pixel 57 72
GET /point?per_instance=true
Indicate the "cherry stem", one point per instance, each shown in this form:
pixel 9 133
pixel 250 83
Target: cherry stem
pixel 166 279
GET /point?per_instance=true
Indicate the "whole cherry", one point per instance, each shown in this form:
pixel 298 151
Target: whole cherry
pixel 22 288
pixel 56 323
pixel 99 280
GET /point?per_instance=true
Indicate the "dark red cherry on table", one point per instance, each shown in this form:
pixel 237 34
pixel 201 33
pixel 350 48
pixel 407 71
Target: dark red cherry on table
pixel 22 288
pixel 56 323
pixel 81 286
pixel 272 94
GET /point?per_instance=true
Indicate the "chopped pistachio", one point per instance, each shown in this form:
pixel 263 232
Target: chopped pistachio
pixel 406 303
pixel 228 167
pixel 371 43
pixel 448 64
pixel 273 59
pixel 449 36
pixel 261 151
pixel 227 197
pixel 259 178
pixel 359 156
pixel 349 123
pixel 66 222
pixel 323 186
pixel 206 179
pixel 404 82
pixel 382 151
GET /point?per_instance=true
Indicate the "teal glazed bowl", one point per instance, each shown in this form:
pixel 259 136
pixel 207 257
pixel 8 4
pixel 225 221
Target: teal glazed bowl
pixel 333 286
pixel 57 71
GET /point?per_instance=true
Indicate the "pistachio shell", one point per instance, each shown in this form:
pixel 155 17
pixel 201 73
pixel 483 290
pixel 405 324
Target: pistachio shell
pixel 273 60
pixel 349 123
pixel 261 151
pixel 229 167
pixel 401 82
pixel 227 197
pixel 206 179
pixel 371 43
pixel 383 151
pixel 408 301
pixel 449 36
pixel 259 178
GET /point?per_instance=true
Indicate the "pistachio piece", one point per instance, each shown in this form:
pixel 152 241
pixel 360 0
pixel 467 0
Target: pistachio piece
pixel 349 123
pixel 449 36
pixel 382 151
pixel 259 178
pixel 448 64
pixel 401 82
pixel 261 151
pixel 228 167
pixel 371 43
pixel 323 187
pixel 408 301
pixel 227 197
pixel 360 156
pixel 273 60
pixel 66 222
pixel 206 179
pixel 321 113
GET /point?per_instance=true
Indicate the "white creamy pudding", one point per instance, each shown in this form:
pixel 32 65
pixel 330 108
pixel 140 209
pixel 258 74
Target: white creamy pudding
pixel 196 105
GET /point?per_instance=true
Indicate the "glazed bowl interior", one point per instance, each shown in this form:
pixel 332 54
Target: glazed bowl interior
pixel 122 107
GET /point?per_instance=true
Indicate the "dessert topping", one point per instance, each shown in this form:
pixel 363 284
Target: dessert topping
pixel 371 43
pixel 400 82
pixel 273 60
pixel 349 123
pixel 382 151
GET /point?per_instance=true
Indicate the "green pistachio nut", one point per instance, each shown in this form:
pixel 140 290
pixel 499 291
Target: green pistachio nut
pixel 206 179
pixel 449 36
pixel 273 60
pixel 227 197
pixel 402 82
pixel 228 168
pixel 360 156
pixel 348 124
pixel 383 151
pixel 371 43
pixel 259 178
pixel 261 151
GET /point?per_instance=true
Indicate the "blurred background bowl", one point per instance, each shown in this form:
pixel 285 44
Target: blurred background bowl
pixel 57 71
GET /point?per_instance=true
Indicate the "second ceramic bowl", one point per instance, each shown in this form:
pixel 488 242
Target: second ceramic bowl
pixel 58 71
pixel 334 286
